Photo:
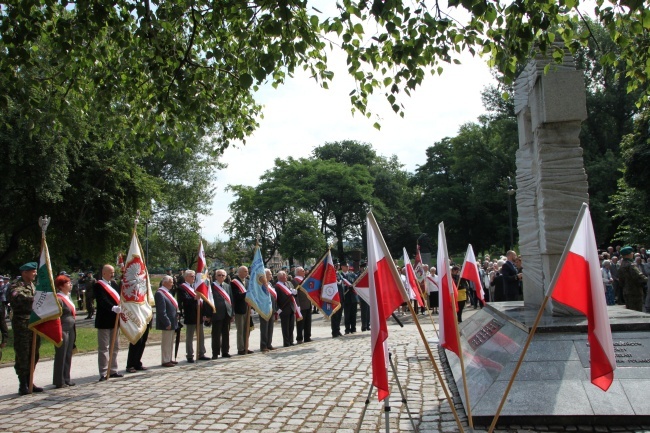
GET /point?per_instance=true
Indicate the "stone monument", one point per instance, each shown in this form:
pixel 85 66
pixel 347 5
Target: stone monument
pixel 553 384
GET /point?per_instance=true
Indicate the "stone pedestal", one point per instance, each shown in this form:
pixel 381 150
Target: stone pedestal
pixel 551 180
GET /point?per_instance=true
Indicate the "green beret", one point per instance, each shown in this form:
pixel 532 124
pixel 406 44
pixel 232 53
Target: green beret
pixel 31 266
pixel 626 250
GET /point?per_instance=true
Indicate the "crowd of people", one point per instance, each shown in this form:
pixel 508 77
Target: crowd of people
pixel 178 305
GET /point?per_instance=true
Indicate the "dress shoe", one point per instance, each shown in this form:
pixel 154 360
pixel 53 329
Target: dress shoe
pixel 215 356
pixel 102 378
pixel 249 352
pixel 227 355
pixel 204 358
pixel 70 383
pixel 307 340
pixel 61 386
pixel 36 388
pixel 241 352
pixel 168 364
pixel 130 370
pixel 141 368
pixel 265 350
pixel 117 375
pixel 174 362
pixel 190 360
pixel 271 348
pixel 299 341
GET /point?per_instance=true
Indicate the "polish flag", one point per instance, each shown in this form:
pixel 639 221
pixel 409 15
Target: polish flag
pixel 201 284
pixel 361 286
pixel 578 284
pixel 386 295
pixel 447 304
pixel 412 281
pixel 470 272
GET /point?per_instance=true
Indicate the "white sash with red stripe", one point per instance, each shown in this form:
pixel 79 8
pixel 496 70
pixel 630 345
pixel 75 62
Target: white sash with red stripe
pixel 223 293
pixel 110 290
pixel 433 281
pixel 272 291
pixel 345 281
pixel 299 279
pixel 290 292
pixel 66 300
pixel 169 296
pixel 239 285
pixel 190 291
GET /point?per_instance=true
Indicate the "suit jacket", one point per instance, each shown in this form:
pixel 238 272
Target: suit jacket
pixel 510 281
pixel 166 313
pixel 104 316
pixel 189 307
pixel 67 319
pixel 303 299
pixel 239 299
pixel 224 310
pixel 285 301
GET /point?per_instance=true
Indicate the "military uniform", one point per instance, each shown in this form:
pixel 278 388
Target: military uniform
pixel 632 281
pixel 21 297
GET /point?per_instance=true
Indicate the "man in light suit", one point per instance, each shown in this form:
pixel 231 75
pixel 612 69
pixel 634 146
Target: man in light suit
pixel 166 319
pixel 222 317
pixel 511 277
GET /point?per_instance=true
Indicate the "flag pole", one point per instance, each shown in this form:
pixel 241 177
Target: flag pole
pixel 400 286
pixel 32 359
pixel 531 334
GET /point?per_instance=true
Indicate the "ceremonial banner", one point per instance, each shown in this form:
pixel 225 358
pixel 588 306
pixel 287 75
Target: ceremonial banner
pixel 470 272
pixel 447 304
pixel 412 282
pixel 257 295
pixel 362 286
pixel 321 287
pixel 579 284
pixel 419 268
pixel 136 294
pixel 46 310
pixel 201 282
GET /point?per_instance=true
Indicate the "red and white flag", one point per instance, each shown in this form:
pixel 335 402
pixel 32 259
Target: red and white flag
pixel 411 280
pixel 386 295
pixel 136 294
pixel 201 283
pixel 470 272
pixel 361 286
pixel 120 262
pixel 578 284
pixel 447 304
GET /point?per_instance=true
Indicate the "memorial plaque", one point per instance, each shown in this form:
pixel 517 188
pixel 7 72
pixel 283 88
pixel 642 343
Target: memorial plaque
pixel 630 350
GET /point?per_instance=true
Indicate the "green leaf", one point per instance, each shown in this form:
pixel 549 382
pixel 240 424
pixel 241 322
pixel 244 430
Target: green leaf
pixel 245 81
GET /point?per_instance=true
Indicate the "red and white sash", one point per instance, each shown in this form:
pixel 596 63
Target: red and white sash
pixel 68 302
pixel 223 293
pixel 110 290
pixel 190 291
pixel 239 285
pixel 299 279
pixel 345 281
pixel 169 296
pixel 287 291
pixel 272 291
pixel 433 281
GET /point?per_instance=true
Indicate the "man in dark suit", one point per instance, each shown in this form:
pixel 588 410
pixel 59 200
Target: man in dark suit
pixel 189 301
pixel 286 307
pixel 166 319
pixel 303 326
pixel 511 277
pixel 221 318
pixel 107 296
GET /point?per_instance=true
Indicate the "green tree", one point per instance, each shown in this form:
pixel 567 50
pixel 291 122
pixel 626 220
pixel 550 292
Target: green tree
pixel 301 239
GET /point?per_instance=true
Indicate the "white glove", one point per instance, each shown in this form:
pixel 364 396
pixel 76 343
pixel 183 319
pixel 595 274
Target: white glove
pixel 279 310
pixel 116 309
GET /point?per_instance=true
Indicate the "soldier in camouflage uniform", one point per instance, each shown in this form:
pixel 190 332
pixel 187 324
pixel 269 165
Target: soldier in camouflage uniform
pixel 21 296
pixel 631 280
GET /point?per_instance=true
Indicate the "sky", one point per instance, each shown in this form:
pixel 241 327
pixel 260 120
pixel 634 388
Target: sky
pixel 300 115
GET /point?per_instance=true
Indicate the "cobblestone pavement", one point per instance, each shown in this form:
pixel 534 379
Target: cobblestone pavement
pixel 314 387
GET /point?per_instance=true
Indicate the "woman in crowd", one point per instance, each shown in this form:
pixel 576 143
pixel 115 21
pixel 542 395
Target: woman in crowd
pixel 63 354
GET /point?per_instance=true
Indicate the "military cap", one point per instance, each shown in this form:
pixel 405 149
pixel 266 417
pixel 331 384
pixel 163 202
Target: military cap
pixel 626 250
pixel 31 266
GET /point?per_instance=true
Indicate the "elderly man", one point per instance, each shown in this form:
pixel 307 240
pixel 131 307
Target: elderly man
pixel 303 326
pixel 631 280
pixel 166 319
pixel 191 301
pixel 21 297
pixel 222 316
pixel 286 307
pixel 238 286
pixel 266 326
pixel 511 277
pixel 107 296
